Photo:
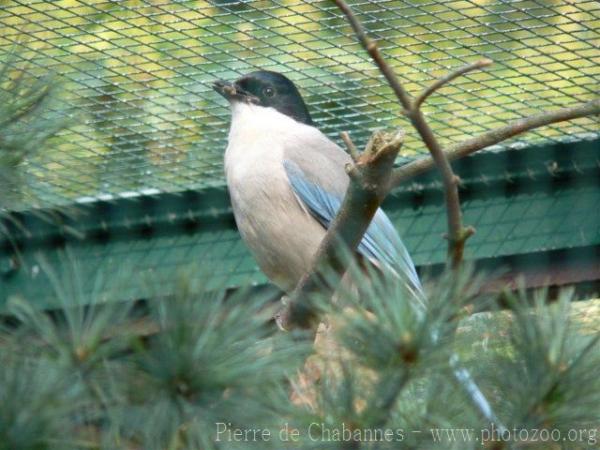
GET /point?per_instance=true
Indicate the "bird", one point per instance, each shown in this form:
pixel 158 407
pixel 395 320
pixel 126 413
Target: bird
pixel 286 181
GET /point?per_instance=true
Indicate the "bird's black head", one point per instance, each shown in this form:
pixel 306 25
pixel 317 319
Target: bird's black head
pixel 268 89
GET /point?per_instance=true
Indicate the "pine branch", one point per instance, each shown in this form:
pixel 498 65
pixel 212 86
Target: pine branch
pixel 26 123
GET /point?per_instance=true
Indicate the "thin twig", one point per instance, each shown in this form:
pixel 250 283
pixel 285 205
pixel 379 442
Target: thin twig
pixel 495 136
pixel 354 154
pixel 448 78
pixel 371 47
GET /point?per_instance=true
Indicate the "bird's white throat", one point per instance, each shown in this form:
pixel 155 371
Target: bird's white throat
pixel 259 132
pixel 248 119
pixel 248 145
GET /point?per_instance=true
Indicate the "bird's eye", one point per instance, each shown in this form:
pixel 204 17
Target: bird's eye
pixel 269 92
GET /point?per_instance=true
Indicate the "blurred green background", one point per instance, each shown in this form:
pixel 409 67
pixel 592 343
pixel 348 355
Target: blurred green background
pixel 134 77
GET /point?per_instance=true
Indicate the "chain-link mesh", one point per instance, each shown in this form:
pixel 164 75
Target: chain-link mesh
pixel 135 76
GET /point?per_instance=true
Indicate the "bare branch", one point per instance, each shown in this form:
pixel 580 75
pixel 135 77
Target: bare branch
pixel 496 136
pixel 371 47
pixel 448 78
pixel 350 145
pixel 369 176
pixel 456 233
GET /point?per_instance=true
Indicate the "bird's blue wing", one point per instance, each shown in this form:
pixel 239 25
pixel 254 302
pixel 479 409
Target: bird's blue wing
pixel 321 204
pixel 380 243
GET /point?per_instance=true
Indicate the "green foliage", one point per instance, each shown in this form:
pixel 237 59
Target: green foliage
pixel 193 370
pixel 162 380
pixel 26 122
pixel 37 401
pixel 212 361
pixel 552 380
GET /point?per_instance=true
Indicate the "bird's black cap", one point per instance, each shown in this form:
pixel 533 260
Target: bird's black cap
pixel 269 89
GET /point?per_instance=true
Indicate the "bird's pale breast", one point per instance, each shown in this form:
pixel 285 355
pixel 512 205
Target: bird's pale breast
pixel 280 233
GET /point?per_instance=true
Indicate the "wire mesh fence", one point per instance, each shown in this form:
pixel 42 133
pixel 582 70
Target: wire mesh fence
pixel 133 77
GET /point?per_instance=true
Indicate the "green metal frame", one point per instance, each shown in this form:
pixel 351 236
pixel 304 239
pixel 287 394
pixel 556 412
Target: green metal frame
pixel 535 210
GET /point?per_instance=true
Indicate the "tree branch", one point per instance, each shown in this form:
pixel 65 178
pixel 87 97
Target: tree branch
pixel 371 47
pixel 457 234
pixel 354 154
pixel 448 78
pixel 492 137
pixel 369 178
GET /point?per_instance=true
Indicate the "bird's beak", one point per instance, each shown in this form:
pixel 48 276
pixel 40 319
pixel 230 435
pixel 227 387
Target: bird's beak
pixel 232 92
pixel 225 88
